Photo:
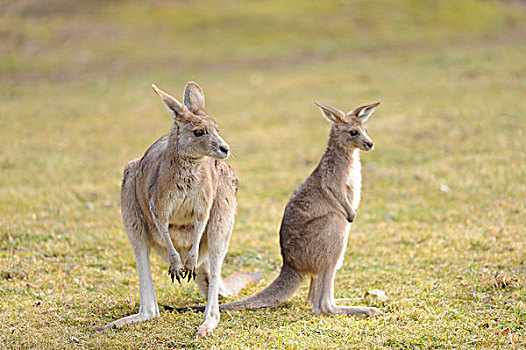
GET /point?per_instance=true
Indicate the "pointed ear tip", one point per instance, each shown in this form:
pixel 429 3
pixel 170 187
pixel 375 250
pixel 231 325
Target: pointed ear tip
pixel 155 88
pixel 191 82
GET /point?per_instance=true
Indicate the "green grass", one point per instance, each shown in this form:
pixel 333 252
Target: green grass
pixel 441 228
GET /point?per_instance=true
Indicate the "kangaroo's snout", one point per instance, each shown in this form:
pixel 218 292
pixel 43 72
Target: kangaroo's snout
pixel 366 145
pixel 222 152
pixel 224 149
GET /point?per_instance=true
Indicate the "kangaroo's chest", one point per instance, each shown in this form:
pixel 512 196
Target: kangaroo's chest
pixel 354 184
pixel 184 205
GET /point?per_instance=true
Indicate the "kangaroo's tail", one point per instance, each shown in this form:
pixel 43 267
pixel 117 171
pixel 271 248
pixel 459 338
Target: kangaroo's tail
pixel 283 287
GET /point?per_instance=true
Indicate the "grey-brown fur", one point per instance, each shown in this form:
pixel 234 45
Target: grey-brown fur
pixel 179 199
pixel 316 222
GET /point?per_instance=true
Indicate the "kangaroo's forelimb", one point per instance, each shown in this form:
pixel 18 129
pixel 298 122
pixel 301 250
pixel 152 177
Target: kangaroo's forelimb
pixel 193 254
pixel 176 267
pixel 342 199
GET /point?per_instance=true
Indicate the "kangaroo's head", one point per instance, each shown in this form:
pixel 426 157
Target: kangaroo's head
pixel 197 134
pixel 349 129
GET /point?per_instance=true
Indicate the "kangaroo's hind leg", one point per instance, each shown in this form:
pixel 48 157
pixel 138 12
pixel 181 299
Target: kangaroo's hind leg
pixel 312 290
pixel 202 278
pixel 218 233
pixel 135 229
pixel 148 303
pixel 324 298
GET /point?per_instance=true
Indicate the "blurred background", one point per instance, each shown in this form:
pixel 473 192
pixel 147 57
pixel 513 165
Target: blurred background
pixel 444 191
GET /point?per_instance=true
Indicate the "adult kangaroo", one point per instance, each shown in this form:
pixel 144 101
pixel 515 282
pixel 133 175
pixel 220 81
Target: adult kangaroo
pixel 180 200
pixel 316 222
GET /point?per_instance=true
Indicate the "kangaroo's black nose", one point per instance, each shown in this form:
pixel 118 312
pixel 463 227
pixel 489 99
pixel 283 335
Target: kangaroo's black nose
pixel 370 144
pixel 224 149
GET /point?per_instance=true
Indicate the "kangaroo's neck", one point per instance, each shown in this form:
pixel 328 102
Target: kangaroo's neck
pixel 338 162
pixel 180 164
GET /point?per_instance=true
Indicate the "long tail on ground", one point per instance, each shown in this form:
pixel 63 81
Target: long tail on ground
pixel 283 287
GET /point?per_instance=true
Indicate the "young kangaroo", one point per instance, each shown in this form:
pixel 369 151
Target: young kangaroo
pixel 316 222
pixel 180 200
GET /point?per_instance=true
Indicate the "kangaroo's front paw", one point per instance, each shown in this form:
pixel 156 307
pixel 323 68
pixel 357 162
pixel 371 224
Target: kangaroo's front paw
pixel 191 263
pixel 176 268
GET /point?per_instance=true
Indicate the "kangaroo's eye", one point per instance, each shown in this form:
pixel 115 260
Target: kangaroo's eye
pixel 199 132
pixel 354 133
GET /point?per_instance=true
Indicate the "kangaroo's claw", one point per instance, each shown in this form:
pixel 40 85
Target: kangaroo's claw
pixel 175 270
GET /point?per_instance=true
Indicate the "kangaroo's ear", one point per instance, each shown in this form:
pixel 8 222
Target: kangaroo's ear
pixel 194 98
pixel 332 114
pixel 363 112
pixel 174 107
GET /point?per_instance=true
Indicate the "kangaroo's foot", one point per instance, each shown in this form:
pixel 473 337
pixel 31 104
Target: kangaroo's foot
pixel 349 310
pixel 141 316
pixel 206 327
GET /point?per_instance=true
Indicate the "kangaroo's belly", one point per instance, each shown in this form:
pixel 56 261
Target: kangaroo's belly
pixel 180 225
pixel 182 237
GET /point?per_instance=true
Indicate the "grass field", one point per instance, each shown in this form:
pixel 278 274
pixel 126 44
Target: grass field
pixel 442 225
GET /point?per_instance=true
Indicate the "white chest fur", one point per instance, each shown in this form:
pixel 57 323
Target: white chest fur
pixel 354 181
